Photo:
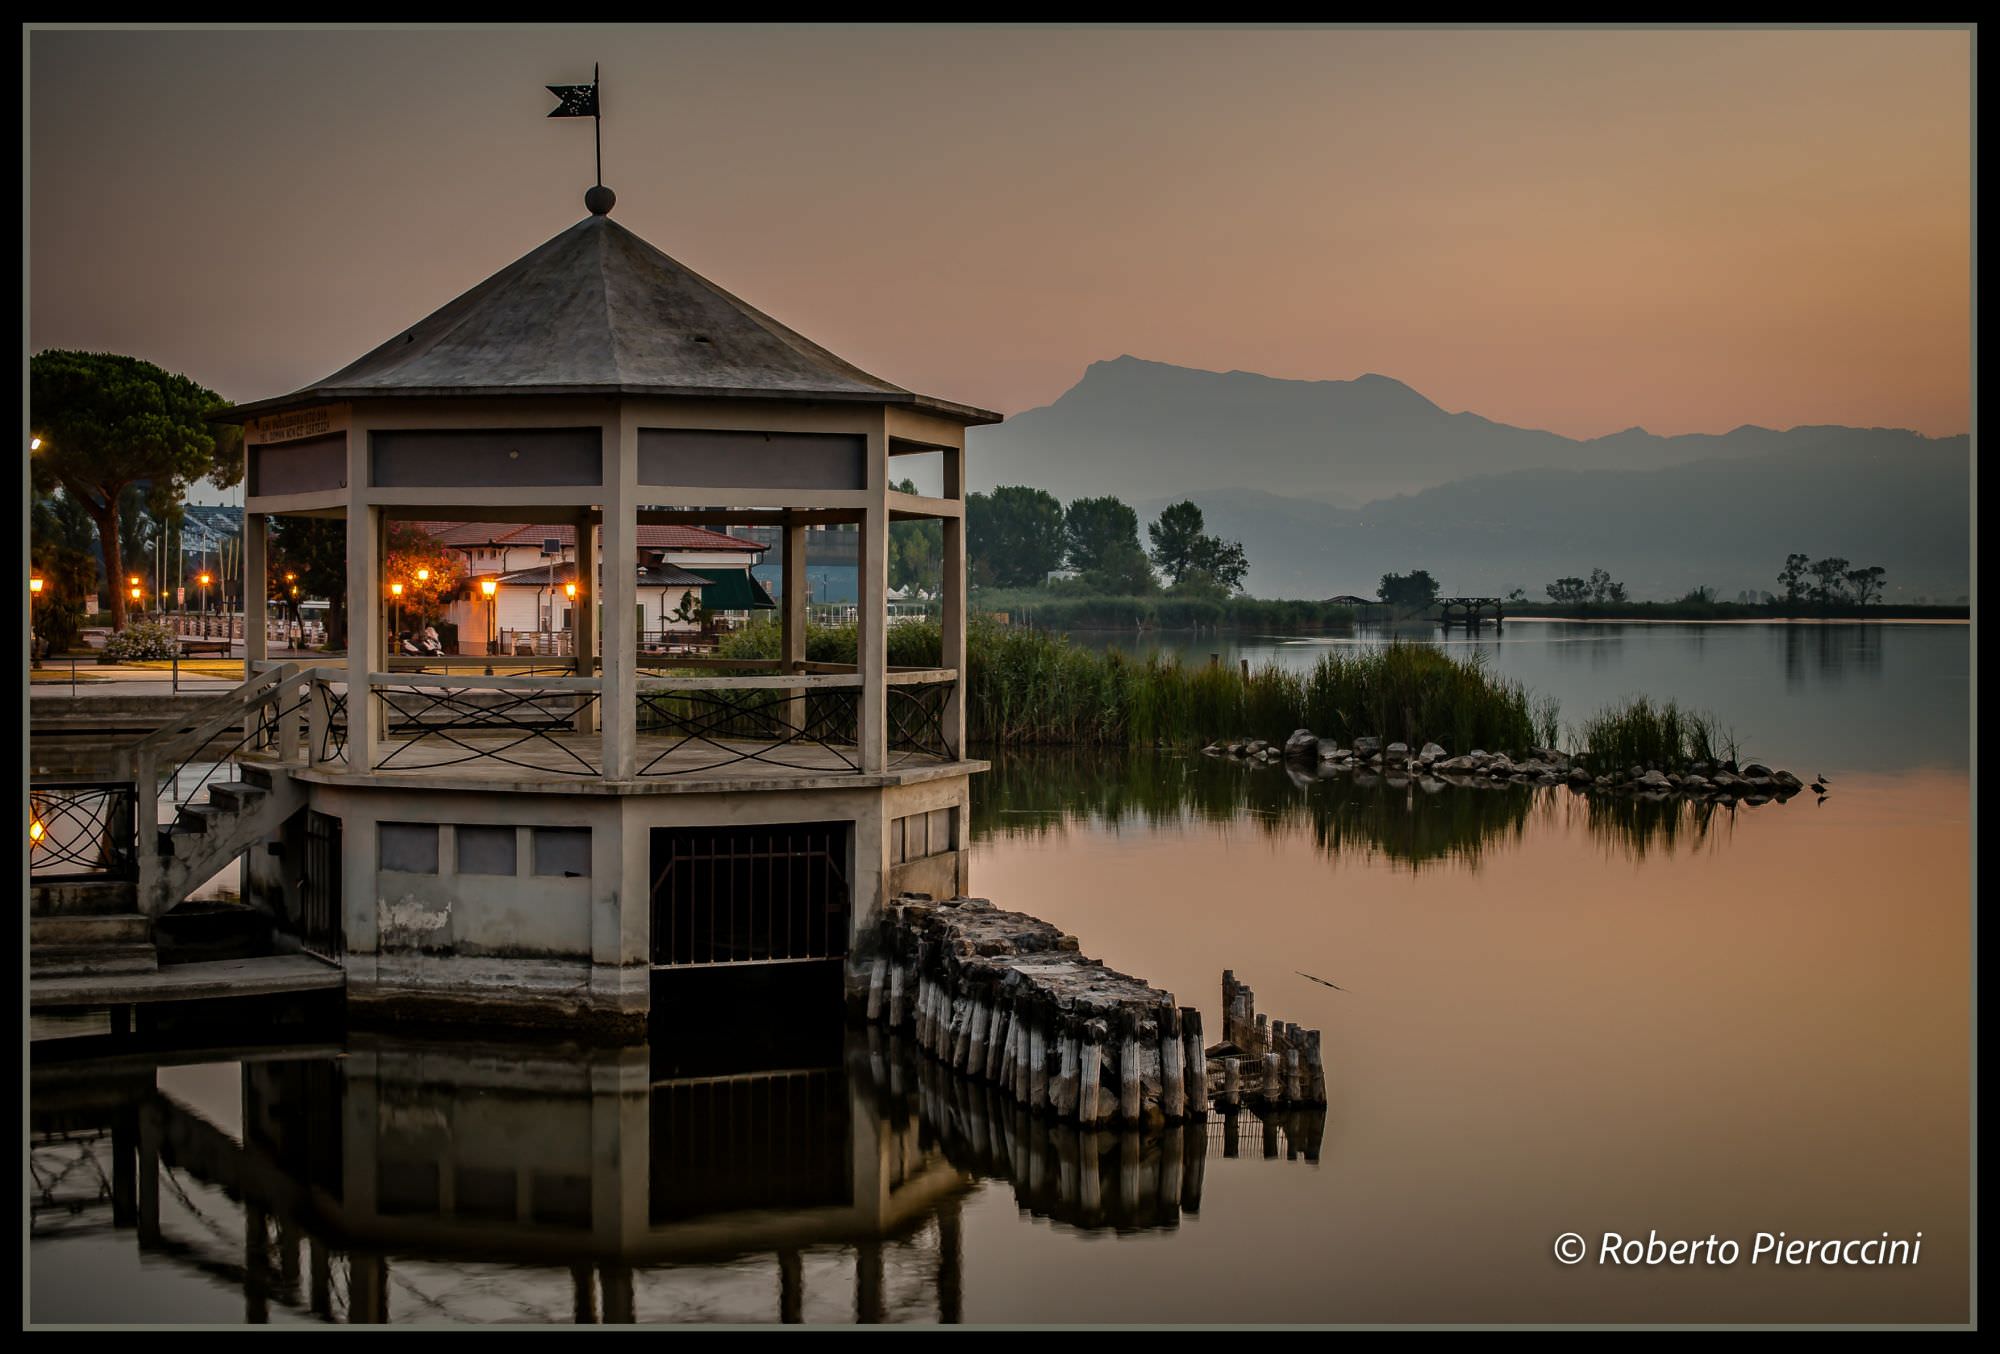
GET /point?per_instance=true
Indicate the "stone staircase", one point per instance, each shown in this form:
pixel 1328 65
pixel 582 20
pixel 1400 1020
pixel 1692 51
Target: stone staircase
pixel 206 837
pixel 71 944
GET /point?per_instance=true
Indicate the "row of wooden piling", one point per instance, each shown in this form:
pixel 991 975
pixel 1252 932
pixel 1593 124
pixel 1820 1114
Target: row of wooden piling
pixel 1009 999
pixel 1273 1062
pixel 1003 997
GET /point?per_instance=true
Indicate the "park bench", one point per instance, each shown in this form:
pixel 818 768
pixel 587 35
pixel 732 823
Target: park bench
pixel 193 647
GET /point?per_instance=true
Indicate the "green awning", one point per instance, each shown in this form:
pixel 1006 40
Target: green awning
pixel 733 590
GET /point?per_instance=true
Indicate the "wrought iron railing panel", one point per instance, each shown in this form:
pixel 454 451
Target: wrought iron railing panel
pixel 435 725
pixel 82 831
pixel 332 712
pixel 751 724
pixel 916 712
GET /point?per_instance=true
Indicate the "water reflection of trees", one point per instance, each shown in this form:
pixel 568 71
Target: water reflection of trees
pixel 1412 821
pixel 1639 825
pixel 1830 650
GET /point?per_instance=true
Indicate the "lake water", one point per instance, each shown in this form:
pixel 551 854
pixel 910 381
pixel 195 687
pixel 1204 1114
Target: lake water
pixel 1557 1017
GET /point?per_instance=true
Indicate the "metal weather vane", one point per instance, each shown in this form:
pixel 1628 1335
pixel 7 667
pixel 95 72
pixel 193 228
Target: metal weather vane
pixel 580 101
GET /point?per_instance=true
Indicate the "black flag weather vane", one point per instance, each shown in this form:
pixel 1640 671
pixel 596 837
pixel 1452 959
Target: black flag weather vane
pixel 580 101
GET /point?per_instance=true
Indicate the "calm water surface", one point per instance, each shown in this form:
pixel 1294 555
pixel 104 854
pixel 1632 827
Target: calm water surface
pixel 1556 1018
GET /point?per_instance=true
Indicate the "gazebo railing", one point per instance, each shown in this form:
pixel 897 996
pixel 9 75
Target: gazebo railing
pixel 432 722
pixel 708 715
pixel 806 721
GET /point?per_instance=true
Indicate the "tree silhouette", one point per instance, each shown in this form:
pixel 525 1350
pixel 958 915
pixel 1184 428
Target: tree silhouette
pixel 105 423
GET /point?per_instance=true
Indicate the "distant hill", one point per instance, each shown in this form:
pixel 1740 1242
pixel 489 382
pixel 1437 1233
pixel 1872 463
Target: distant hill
pixel 1898 500
pixel 1338 441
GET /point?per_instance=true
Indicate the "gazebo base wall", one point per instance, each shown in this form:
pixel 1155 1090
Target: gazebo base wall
pixel 559 908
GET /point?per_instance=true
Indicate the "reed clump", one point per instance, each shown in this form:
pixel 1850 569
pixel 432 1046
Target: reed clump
pixel 1643 733
pixel 1028 687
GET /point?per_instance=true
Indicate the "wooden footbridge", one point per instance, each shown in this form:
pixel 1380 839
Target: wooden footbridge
pixel 1471 612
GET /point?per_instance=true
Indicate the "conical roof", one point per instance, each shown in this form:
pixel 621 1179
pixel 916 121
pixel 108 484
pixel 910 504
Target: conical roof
pixel 599 311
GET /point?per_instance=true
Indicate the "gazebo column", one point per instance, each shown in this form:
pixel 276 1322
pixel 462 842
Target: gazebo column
pixel 872 641
pixel 792 602
pixel 256 639
pixel 951 620
pixel 366 644
pixel 584 612
pixel 618 712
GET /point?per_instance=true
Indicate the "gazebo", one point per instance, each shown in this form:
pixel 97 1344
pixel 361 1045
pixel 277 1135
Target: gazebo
pixel 537 839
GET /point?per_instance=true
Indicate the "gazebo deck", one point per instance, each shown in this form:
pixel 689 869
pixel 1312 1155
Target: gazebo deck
pixel 565 762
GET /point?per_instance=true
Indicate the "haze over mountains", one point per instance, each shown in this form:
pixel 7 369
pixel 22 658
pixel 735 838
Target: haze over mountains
pixel 1329 484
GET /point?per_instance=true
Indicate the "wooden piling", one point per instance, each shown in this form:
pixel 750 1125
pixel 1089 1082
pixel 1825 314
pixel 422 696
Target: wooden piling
pixel 1315 1070
pixel 1024 1019
pixel 961 1023
pixel 1173 1069
pixel 1038 1058
pixel 1090 1080
pixel 1194 1062
pixel 1130 1088
pixel 1232 1084
pixel 1292 1087
pixel 996 1039
pixel 1063 1089
pixel 897 1000
pixel 1274 1080
pixel 878 982
pixel 975 1041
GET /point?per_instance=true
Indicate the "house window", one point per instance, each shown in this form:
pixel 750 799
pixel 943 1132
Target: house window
pixel 409 848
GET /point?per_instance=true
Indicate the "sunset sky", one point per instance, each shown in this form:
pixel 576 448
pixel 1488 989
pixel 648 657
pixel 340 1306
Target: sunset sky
pixel 1579 231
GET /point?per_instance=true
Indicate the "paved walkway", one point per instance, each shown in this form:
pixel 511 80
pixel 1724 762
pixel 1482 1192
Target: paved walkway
pixel 189 982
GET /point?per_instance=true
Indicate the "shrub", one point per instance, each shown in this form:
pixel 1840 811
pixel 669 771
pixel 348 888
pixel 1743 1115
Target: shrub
pixel 140 640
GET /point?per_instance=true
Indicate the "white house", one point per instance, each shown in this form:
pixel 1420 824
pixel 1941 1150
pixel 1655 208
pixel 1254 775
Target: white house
pixel 683 571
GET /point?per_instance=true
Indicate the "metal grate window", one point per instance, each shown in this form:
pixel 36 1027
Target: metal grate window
pixel 750 894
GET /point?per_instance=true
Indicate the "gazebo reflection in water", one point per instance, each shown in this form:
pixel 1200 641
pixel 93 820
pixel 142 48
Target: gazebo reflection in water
pixel 412 1180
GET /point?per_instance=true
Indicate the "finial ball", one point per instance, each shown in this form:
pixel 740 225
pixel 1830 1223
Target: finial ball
pixel 600 200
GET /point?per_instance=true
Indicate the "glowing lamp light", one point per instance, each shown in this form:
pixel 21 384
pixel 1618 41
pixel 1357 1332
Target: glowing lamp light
pixel 489 586
pixel 395 589
pixel 204 580
pixel 569 588
pixel 133 581
pixel 36 832
pixel 34 585
pixel 135 594
pixel 423 575
pixel 34 444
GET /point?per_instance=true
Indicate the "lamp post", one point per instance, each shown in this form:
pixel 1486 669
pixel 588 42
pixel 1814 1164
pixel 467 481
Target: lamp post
pixel 34 591
pixel 490 586
pixel 569 591
pixel 396 592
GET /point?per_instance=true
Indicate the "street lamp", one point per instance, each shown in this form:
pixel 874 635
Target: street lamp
pixel 34 591
pixel 490 586
pixel 396 591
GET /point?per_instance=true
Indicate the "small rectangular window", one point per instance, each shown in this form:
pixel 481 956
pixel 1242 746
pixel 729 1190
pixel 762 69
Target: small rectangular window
pixel 486 850
pixel 411 848
pixel 563 851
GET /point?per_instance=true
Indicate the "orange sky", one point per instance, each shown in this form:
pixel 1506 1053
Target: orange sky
pixel 1580 231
